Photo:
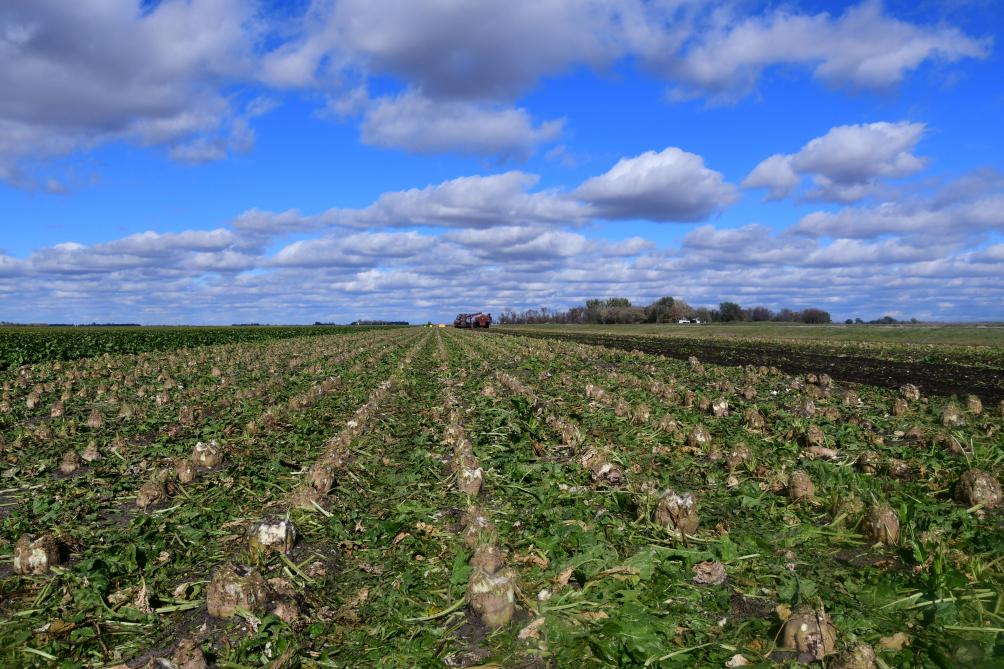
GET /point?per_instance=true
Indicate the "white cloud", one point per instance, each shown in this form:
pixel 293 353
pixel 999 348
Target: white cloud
pixel 845 163
pixel 209 250
pixel 856 252
pixel 862 48
pixel 754 244
pixel 157 244
pixel 260 222
pixel 221 261
pixel 498 199
pixel 963 208
pixel 363 249
pixel 462 65
pixel 919 216
pixel 774 173
pixel 485 50
pixel 672 185
pixel 421 125
pixel 208 276
pixel 78 74
pixel 10 266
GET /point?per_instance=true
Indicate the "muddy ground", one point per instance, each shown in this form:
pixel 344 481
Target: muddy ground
pixel 932 378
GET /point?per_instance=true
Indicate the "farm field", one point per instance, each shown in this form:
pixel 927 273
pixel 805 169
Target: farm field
pixel 21 345
pixel 955 336
pixel 944 360
pixel 418 497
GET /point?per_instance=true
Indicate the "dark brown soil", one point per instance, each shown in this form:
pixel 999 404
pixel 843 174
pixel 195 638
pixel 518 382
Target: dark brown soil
pixel 867 557
pixel 751 607
pixel 932 378
pixel 8 505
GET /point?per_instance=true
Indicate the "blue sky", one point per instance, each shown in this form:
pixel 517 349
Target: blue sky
pixel 216 161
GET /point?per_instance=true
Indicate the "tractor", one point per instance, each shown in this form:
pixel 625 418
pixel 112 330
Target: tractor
pixel 475 320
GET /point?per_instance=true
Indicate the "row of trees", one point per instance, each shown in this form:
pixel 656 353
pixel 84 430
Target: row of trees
pixel 885 320
pixel 664 310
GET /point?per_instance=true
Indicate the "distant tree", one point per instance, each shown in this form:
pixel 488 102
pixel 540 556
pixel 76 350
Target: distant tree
pixel 577 315
pixel 593 308
pixel 849 321
pixel 729 311
pixel 615 310
pixel 660 311
pixel 815 316
pixel 786 316
pixel 680 311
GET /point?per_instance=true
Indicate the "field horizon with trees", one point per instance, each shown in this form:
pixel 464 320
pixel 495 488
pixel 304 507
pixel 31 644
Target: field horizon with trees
pixel 668 309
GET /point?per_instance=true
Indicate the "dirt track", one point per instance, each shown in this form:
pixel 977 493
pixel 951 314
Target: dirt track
pixel 932 379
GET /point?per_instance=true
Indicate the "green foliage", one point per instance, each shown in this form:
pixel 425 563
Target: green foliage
pixel 28 345
pixel 381 577
pixel 729 311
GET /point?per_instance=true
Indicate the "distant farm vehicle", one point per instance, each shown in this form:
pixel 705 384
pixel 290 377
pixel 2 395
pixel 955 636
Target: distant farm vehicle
pixel 475 320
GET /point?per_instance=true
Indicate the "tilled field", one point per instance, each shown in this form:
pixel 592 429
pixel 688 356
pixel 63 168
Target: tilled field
pixel 435 498
pixel 934 369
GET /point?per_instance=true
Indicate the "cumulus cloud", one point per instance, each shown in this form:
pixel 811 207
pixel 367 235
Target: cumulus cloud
pixel 216 250
pixel 75 75
pixel 476 201
pixel 861 48
pixel 352 250
pixel 156 244
pixel 917 216
pixel 266 223
pixel 497 50
pixel 486 50
pixel 465 202
pixel 845 164
pixel 758 245
pixel 671 185
pixel 464 64
pixel 962 208
pixel 418 124
pixel 218 276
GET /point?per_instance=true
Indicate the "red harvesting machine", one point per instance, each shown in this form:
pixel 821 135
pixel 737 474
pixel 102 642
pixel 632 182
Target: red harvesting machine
pixel 477 320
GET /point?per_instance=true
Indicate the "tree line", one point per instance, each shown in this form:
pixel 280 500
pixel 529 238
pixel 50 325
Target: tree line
pixel 664 310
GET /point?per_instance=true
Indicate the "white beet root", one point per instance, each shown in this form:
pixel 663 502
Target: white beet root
pixel 881 524
pixel 233 587
pixel 35 555
pixel 979 487
pixel 272 536
pixel 677 512
pixel 699 436
pixel 800 486
pixel 810 632
pixel 207 455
